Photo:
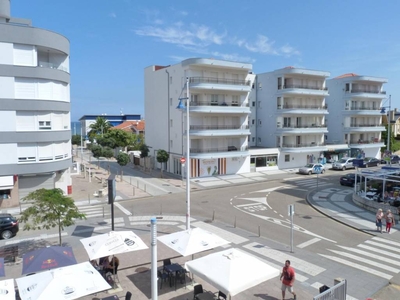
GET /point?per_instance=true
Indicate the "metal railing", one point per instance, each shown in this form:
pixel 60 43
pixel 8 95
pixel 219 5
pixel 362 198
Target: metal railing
pixel 372 141
pixel 303 126
pixel 302 145
pixel 222 149
pixel 362 108
pixel 366 91
pixel 337 292
pixel 217 127
pixel 286 106
pixel 219 81
pixel 212 103
pixel 294 86
pixel 365 125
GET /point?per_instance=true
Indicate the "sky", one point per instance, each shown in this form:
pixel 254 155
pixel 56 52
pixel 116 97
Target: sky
pixel 113 41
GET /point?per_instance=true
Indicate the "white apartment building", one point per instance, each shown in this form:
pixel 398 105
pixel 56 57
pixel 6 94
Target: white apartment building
pixel 289 115
pixel 218 114
pixel 35 136
pixel 355 103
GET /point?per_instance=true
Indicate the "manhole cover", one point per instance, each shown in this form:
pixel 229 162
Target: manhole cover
pixel 164 184
pixel 307 217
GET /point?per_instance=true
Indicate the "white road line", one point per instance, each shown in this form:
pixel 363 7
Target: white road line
pixel 123 209
pixel 365 260
pixel 301 265
pixel 386 241
pixel 384 247
pixel 308 243
pixel 380 251
pixel 375 256
pixel 227 235
pixel 251 204
pixel 357 266
pixel 36 238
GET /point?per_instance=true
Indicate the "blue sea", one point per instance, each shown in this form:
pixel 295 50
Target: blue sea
pixel 75 128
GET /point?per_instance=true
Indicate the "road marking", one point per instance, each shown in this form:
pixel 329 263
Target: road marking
pixel 227 235
pixel 123 209
pixel 357 266
pixel 379 257
pixel 386 247
pixel 36 238
pixel 380 251
pixel 386 241
pixel 301 265
pixel 244 205
pixel 308 243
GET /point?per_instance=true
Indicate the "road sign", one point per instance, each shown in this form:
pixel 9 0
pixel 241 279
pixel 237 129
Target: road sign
pixel 317 169
pixel 290 210
pixel 183 160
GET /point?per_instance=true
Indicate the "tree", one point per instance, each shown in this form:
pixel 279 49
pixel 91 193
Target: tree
pixel 50 208
pixel 144 151
pixel 162 157
pixel 108 152
pixel 97 151
pixel 76 139
pixel 100 127
pixel 122 160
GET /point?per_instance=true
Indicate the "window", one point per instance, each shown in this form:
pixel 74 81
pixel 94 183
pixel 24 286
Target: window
pixel 214 100
pixel 235 100
pixel 193 99
pixel 287 158
pixel 260 85
pixel 253 103
pixel 253 139
pixel 44 125
pixel 252 121
pixel 259 122
pixel 347 87
pixel 171 123
pixel 259 140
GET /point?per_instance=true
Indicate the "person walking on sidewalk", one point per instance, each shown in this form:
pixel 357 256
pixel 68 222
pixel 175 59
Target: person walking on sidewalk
pixel 287 277
pixel 389 220
pixel 379 216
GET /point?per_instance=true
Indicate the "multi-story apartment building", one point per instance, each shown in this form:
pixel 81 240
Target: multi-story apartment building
pixel 35 136
pixel 218 94
pixel 289 114
pixel 355 103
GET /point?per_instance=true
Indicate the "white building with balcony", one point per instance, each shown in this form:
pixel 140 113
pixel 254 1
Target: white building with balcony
pixel 355 103
pixel 35 136
pixel 218 118
pixel 289 114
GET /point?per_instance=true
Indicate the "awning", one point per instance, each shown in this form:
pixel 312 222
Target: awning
pixel 6 182
pixel 10 187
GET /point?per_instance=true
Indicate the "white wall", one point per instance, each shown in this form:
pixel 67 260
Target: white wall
pixel 29 88
pixel 8 153
pixel 7 120
pixel 6 87
pixel 6 53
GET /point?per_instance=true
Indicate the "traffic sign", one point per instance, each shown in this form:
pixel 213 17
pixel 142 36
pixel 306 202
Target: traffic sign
pixel 183 160
pixel 317 169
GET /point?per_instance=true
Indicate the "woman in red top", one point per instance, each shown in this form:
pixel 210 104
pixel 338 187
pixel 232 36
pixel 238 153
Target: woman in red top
pixel 287 278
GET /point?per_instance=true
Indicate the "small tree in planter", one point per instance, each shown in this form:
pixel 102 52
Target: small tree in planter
pixel 162 157
pixel 122 160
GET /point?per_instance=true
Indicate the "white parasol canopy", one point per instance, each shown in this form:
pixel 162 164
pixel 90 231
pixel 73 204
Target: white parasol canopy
pixel 71 282
pixel 231 271
pixel 7 289
pixel 111 243
pixel 192 241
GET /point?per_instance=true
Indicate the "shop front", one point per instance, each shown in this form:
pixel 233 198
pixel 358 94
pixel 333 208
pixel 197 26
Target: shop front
pixel 334 153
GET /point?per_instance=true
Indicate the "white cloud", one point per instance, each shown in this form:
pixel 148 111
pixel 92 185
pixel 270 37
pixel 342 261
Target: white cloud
pixel 261 45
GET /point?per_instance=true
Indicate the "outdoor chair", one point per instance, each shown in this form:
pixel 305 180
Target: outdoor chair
pixel 128 296
pixel 198 289
pixel 162 277
pixel 167 262
pixel 221 295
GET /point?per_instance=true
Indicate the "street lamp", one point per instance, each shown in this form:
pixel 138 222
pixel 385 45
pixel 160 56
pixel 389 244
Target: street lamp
pixel 181 106
pixel 383 111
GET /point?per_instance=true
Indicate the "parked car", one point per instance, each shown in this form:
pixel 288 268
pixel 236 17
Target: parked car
pixel 366 162
pixel 394 159
pixel 343 164
pixel 8 226
pixel 350 179
pixel 311 169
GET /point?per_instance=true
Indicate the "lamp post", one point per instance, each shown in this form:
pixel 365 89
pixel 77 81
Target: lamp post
pixel 182 107
pixel 389 121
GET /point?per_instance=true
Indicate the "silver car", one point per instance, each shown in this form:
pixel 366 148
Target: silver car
pixel 343 164
pixel 312 169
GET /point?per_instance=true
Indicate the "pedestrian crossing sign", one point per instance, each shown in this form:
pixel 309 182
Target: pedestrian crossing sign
pixel 317 169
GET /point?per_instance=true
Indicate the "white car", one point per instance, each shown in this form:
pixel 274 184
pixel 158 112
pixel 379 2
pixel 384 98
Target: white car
pixel 343 164
pixel 312 169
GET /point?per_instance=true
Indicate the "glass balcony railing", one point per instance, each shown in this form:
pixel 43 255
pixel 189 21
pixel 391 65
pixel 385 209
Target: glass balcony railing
pixel 217 103
pixel 48 65
pixel 362 108
pixel 366 91
pixel 371 141
pixel 222 149
pixel 218 127
pixel 298 106
pixel 303 126
pixel 302 145
pixel 366 125
pixel 300 86
pixel 219 81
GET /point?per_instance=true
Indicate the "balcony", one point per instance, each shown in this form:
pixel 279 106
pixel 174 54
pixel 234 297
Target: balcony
pixel 362 108
pixel 366 91
pixel 48 65
pixel 365 125
pixel 303 145
pixel 372 141
pixel 213 80
pixel 297 106
pixel 302 126
pixel 222 149
pixel 214 103
pixel 218 127
pixel 294 86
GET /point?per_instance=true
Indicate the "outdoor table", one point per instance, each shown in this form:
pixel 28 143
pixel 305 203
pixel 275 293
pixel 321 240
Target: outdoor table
pixel 174 268
pixel 114 297
pixel 205 296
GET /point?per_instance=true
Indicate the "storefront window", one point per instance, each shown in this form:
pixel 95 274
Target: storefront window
pixel 5 194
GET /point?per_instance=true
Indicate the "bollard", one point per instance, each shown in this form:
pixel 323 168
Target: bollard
pixel 103 211
pixel 133 191
pixel 145 188
pixel 160 209
pixel 213 218
pixel 234 225
pixel 259 230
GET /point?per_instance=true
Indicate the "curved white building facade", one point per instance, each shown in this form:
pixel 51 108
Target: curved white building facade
pixel 35 137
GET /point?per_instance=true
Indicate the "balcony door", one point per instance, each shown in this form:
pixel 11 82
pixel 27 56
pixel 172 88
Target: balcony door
pixel 298 140
pixel 298 122
pixel 286 122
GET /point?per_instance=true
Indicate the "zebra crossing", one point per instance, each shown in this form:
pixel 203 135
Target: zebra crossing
pixel 307 183
pixel 95 211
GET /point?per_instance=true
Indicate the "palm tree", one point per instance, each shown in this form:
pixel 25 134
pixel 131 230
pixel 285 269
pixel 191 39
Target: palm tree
pixel 101 126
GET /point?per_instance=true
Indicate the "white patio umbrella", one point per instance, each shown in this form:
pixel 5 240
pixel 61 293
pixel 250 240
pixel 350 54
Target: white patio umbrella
pixel 7 290
pixel 192 241
pixel 111 243
pixel 231 271
pixel 71 282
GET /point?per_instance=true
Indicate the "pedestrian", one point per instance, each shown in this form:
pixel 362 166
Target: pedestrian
pixel 287 278
pixel 379 216
pixel 389 220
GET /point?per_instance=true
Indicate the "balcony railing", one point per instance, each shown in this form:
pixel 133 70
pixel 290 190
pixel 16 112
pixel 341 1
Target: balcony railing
pixel 43 64
pixel 366 91
pixel 302 145
pixel 213 103
pixel 219 81
pixel 303 126
pixel 222 149
pixel 295 86
pixel 362 108
pixel 287 106
pixel 366 125
pixel 372 141
pixel 218 127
